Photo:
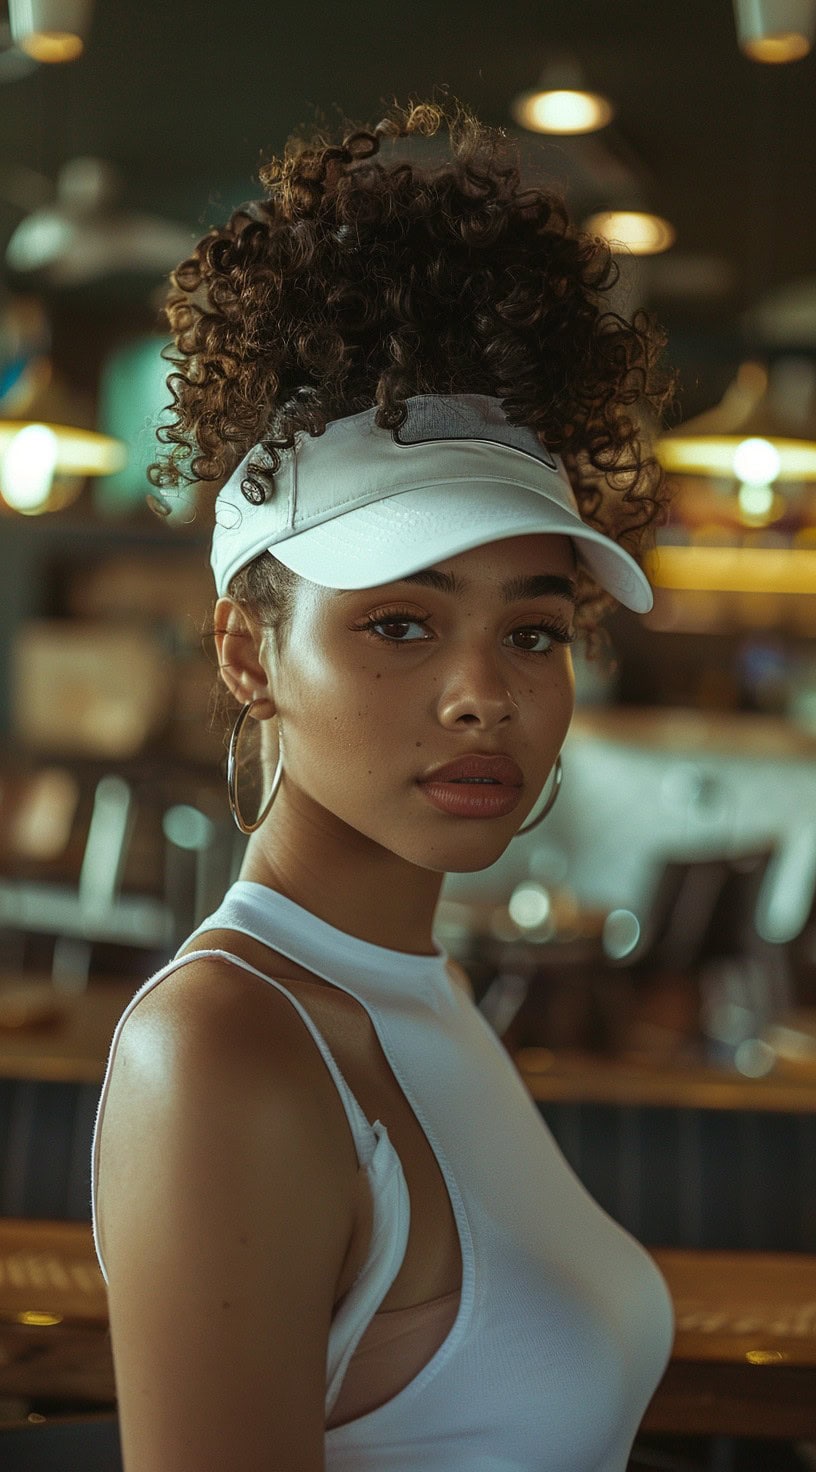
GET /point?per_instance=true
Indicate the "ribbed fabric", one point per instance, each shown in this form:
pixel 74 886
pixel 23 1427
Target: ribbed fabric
pixel 564 1324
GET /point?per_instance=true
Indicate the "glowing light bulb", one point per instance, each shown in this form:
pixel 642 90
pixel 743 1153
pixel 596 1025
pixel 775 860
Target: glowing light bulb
pixel 52 46
pixel 27 467
pixel 637 231
pixel 563 110
pixel 756 461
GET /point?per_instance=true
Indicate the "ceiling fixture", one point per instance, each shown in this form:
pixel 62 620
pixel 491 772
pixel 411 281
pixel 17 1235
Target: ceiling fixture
pixel 43 466
pixel 75 451
pixel 562 110
pixel 562 103
pixel 48 445
pixel 775 31
pixel 746 435
pixel 760 436
pixel 83 235
pixel 636 232
pixel 50 30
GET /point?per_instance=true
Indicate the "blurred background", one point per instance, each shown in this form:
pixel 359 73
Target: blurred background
pixel 648 955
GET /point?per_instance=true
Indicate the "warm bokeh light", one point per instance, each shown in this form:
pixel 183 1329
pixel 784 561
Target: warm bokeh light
pixel 636 231
pixel 27 467
pixel 562 110
pixel 79 451
pixel 758 504
pixel 756 461
pixel 52 46
pixel 785 46
pixel 734 569
pixel 713 454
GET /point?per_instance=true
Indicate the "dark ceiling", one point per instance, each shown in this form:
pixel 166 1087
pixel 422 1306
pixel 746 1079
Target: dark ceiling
pixel 186 98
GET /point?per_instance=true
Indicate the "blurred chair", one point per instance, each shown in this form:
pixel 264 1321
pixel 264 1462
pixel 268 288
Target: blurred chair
pixel 196 857
pixel 93 910
pixel 702 925
pixel 701 908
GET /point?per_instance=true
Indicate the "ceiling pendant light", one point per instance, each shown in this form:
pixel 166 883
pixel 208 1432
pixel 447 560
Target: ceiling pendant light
pixel 562 103
pixel 753 533
pixel 43 466
pixel 775 31
pixel 743 436
pixel 634 232
pixel 50 30
pixel 562 110
pixel 47 443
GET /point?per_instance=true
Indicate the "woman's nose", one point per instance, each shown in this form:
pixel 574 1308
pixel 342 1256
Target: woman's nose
pixel 476 693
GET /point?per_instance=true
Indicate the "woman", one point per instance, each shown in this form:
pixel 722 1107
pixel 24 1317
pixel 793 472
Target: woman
pixel 336 1231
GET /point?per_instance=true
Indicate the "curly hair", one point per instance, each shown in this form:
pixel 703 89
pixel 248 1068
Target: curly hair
pixel 357 283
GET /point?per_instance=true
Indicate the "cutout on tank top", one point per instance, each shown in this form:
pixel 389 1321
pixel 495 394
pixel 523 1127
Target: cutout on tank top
pixel 397 1345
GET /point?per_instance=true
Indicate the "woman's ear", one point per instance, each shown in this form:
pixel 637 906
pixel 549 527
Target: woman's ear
pixel 237 643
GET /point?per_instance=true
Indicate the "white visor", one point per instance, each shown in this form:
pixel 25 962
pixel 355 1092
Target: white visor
pixel 359 506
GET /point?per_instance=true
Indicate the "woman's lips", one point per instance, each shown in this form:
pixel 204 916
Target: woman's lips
pixel 496 766
pixel 472 799
pixel 479 784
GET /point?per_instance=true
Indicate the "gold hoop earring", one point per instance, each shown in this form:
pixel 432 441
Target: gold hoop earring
pixel 232 774
pixel 558 777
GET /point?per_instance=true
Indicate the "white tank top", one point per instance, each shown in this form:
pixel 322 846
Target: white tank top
pixel 564 1325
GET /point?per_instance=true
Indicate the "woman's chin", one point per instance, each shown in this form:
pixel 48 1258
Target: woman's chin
pixel 467 856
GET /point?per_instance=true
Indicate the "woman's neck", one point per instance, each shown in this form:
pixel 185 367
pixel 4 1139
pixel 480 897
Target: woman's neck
pixel 342 877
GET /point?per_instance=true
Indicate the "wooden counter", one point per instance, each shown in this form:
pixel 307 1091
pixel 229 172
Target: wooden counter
pixel 744 1356
pixel 566 1076
pixel 743 1361
pixel 55 1035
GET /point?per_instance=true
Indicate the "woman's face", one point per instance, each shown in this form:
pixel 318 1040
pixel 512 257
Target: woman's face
pixel 376 687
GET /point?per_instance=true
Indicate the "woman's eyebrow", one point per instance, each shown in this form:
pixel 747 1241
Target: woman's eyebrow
pixel 536 585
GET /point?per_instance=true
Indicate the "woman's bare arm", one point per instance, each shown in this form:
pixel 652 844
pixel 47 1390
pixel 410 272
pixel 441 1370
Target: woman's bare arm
pixel 227 1208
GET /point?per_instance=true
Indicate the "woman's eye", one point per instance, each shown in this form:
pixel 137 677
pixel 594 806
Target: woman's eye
pixel 395 623
pixel 537 638
pixel 535 635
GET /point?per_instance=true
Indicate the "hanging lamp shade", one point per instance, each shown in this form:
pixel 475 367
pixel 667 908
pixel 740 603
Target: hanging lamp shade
pixel 562 103
pixel 50 30
pixel 49 446
pixel 746 423
pixel 775 31
pixel 78 451
pixel 633 232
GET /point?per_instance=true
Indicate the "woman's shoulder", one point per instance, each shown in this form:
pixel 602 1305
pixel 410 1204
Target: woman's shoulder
pixel 210 1029
pixel 214 1005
